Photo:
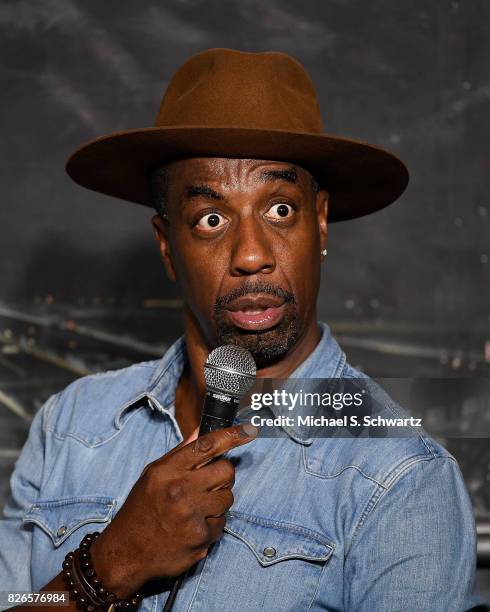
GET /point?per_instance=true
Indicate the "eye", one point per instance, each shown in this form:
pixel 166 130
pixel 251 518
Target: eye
pixel 211 222
pixel 281 210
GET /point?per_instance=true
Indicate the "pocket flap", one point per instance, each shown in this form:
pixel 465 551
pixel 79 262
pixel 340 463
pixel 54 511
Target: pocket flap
pixel 273 541
pixel 60 518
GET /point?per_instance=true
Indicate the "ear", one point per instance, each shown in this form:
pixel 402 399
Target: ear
pixel 160 229
pixel 322 200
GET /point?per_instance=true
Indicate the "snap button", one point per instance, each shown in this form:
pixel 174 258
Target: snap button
pixel 61 531
pixel 269 551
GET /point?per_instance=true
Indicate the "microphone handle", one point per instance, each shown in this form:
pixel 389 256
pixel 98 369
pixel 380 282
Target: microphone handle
pixel 219 411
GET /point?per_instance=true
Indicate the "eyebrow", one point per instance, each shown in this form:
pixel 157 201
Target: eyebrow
pixel 196 191
pixel 288 174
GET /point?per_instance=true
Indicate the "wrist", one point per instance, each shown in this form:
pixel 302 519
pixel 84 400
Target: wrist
pixel 115 575
pixel 86 588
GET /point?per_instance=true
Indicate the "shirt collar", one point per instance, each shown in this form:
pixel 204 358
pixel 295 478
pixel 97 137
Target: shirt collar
pixel 327 360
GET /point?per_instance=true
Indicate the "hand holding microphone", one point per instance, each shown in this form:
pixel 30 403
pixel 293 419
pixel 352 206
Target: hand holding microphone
pixel 176 509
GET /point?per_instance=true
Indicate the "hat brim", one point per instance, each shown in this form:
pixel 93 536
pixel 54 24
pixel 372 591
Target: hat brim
pixel 361 178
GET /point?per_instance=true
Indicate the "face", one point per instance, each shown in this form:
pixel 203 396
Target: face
pixel 243 238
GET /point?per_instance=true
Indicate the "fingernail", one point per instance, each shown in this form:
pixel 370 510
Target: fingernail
pixel 250 430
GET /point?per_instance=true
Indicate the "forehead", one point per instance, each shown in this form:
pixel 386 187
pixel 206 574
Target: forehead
pixel 232 171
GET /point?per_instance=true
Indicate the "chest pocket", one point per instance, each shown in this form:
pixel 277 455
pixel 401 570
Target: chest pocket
pixel 273 565
pixel 62 517
pixel 273 541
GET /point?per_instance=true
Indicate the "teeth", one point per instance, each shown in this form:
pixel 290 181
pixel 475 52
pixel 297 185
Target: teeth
pixel 253 310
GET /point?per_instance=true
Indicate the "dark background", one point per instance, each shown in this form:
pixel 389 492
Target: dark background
pixel 405 291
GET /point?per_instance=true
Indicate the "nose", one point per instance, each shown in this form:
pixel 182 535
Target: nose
pixel 252 251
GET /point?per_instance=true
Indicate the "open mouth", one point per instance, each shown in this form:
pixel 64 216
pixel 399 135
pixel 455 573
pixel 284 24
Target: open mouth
pixel 256 312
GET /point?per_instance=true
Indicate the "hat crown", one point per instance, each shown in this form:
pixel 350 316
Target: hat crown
pixel 228 88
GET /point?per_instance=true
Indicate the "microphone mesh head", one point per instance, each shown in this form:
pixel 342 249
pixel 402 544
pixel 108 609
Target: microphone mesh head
pixel 230 369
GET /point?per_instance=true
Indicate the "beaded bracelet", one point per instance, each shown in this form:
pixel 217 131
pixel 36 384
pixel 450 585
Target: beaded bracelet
pixel 86 588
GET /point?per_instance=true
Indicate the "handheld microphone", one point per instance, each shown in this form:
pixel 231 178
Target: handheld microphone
pixel 229 373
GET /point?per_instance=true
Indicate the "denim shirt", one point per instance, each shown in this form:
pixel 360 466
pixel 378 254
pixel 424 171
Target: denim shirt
pixel 323 524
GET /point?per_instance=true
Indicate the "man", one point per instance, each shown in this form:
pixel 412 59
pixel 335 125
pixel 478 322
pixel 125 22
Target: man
pixel 243 179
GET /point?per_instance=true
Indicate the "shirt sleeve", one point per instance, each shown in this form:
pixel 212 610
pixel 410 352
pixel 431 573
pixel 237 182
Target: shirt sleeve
pixel 25 483
pixel 417 548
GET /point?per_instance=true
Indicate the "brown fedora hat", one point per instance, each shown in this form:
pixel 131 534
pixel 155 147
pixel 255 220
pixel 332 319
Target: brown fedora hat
pixel 227 103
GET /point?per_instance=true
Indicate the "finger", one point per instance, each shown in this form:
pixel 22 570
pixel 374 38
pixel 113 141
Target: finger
pixel 206 447
pixel 174 449
pixel 207 531
pixel 216 526
pixel 217 474
pixel 217 503
pixel 165 457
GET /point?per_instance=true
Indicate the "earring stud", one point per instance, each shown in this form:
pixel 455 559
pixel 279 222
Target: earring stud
pixel 324 252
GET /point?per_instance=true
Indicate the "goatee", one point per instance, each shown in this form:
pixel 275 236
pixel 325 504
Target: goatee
pixel 266 346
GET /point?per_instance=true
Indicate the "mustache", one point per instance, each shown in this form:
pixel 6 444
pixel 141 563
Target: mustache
pixel 251 287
